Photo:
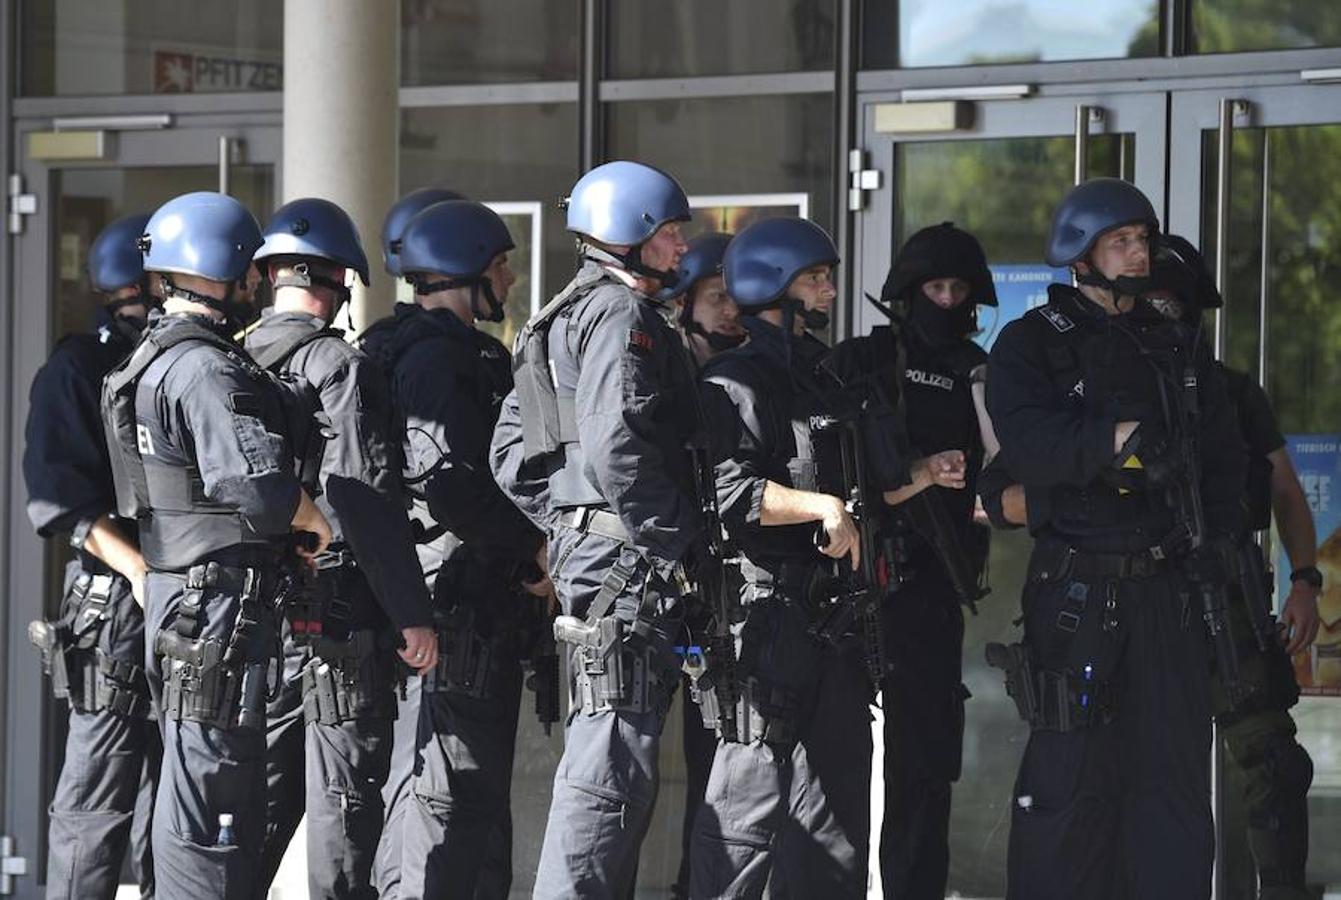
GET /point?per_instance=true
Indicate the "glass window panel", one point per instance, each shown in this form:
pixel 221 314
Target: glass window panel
pixel 1225 26
pixel 523 155
pixel 734 146
pixel 655 39
pixel 915 33
pixel 1304 263
pixel 487 41
pixel 1004 192
pixel 73 47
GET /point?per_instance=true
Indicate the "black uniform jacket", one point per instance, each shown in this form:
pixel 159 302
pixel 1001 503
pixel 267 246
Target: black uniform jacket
pixel 1061 377
pixel 359 482
pixel 65 463
pixel 773 441
pixel 632 384
pixel 449 381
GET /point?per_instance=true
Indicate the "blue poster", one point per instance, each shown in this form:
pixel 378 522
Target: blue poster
pixel 1019 288
pixel 1317 460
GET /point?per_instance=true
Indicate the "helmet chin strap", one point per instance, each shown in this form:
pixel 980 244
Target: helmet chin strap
pixel 302 276
pixel 630 262
pixel 218 304
pixel 480 287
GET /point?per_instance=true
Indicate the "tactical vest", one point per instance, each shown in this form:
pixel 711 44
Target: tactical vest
pixel 307 424
pixel 179 524
pixel 548 417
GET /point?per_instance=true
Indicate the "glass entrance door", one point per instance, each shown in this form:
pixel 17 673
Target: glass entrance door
pixel 1281 149
pixel 997 174
pixel 71 200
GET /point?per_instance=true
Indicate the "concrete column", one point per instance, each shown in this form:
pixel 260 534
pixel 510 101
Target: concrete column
pixel 341 121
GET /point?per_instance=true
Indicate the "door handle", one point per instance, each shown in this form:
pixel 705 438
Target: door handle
pixel 1085 117
pixel 1224 146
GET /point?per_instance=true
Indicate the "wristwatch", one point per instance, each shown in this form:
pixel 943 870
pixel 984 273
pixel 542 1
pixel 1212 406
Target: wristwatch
pixel 1309 575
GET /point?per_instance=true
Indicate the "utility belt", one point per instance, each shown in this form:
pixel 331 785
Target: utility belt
pixel 1051 700
pixel 590 520
pixel 616 664
pixel 349 679
pixel 470 657
pixel 81 672
pixel 1088 565
pixel 323 604
pixel 213 680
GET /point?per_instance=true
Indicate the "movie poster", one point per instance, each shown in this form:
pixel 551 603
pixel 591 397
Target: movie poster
pixel 1317 459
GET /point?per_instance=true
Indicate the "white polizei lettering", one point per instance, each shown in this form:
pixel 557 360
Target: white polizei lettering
pixel 144 441
pixel 930 379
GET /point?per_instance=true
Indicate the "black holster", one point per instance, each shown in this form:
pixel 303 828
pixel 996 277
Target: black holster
pixel 208 680
pixel 1051 700
pixel 349 679
pixel 80 671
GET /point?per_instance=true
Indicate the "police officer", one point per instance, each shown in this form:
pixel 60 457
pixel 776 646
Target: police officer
pixel 708 318
pixel 938 280
pixel 374 338
pixel 449 379
pixel 1270 769
pixel 200 460
pixel 1093 397
pixel 333 717
pixel 608 430
pixel 95 650
pixel 375 341
pixel 709 323
pixel 788 798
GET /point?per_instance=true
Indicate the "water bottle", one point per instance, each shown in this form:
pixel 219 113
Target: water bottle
pixel 226 836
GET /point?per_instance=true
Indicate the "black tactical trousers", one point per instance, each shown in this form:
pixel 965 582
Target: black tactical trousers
pixel 457 838
pixel 923 700
pixel 607 779
pixel 1120 808
pixel 791 814
pixel 334 773
pixel 700 746
pixel 208 770
pixel 396 790
pixel 103 805
pixel 1265 762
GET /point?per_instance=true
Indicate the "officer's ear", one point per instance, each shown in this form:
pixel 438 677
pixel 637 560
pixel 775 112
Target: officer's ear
pixel 1081 267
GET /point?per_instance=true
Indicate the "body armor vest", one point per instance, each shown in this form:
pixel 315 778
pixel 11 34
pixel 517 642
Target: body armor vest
pixel 156 485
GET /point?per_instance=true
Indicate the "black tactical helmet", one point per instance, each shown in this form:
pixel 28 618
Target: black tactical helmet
pixel 941 251
pixel 1178 267
pixel 1090 209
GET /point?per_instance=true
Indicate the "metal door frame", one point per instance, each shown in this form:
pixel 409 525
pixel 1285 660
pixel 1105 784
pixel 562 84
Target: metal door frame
pixel 186 141
pixel 1193 113
pixel 1141 113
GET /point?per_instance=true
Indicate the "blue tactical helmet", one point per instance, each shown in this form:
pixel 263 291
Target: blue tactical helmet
pixel 702 260
pixel 1089 210
pixel 762 261
pixel 315 228
pixel 400 214
pixel 457 239
pixel 205 234
pixel 624 203
pixel 114 258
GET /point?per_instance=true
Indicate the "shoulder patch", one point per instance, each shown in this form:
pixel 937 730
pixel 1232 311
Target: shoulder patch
pixel 640 340
pixel 1056 319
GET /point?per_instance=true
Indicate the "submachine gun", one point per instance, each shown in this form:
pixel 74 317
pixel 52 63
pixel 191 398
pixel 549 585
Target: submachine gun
pixel 857 594
pixel 1209 565
pixel 544 679
pixel 712 669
